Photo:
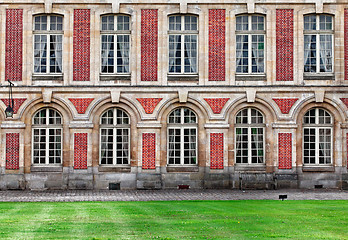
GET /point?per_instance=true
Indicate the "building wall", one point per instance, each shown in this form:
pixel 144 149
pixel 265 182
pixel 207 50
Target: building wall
pixel 148 94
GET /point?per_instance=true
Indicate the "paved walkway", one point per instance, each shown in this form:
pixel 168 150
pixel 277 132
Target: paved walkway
pixel 166 195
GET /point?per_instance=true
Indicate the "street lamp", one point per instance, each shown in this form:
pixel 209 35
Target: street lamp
pixel 9 110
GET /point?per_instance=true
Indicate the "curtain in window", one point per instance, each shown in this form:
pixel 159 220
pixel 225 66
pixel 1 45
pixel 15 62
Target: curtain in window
pixel 125 144
pixel 174 53
pixel 241 52
pixel 257 53
pixel 325 53
pixel 123 51
pixel 107 45
pixel 171 146
pixel 57 48
pixel 40 53
pixel 309 66
pixel 193 157
pixel 190 53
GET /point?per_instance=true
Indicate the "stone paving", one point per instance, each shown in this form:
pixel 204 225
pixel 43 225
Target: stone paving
pixel 166 195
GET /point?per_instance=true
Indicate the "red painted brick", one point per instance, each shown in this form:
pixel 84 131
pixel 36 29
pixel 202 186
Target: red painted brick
pixel 80 150
pixel 17 103
pixel 216 104
pixel 12 150
pixel 149 44
pixel 284 44
pixel 81 104
pixel 14 45
pixel 216 151
pixel 217 44
pixel 149 104
pixel 345 44
pixel 285 150
pixel 81 45
pixel 149 151
pixel 345 101
pixel 347 150
pixel 285 104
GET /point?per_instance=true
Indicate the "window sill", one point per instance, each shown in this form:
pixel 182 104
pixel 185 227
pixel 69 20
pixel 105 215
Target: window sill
pixel 114 77
pixel 318 76
pixel 251 77
pixel 114 169
pixel 47 77
pixel 250 168
pixel 182 77
pixel 318 169
pixel 182 169
pixel 41 168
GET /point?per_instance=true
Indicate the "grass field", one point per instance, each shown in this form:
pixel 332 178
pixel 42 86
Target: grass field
pixel 247 219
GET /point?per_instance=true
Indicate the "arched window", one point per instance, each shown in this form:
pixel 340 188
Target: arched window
pixel 182 137
pixel 183 38
pixel 115 44
pixel 317 137
pixel 47 137
pixel 250 138
pixel 114 137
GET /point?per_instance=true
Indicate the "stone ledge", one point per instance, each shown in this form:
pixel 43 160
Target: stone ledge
pixel 182 78
pixel 120 78
pixel 183 169
pixel 46 168
pixel 318 77
pixel 318 169
pixel 247 168
pixel 47 78
pixel 114 169
pixel 251 77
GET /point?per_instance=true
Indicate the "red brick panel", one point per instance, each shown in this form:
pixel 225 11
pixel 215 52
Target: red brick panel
pixel 217 44
pixel 284 44
pixel 80 150
pixel 149 151
pixel 17 103
pixel 81 104
pixel 149 44
pixel 14 44
pixel 216 151
pixel 347 150
pixel 12 150
pixel 285 104
pixel 345 44
pixel 216 104
pixel 285 150
pixel 345 101
pixel 81 45
pixel 149 104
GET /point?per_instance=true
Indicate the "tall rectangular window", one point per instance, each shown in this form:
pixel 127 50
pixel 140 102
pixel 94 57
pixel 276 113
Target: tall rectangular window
pixel 48 38
pixel 318 43
pixel 250 44
pixel 183 38
pixel 115 44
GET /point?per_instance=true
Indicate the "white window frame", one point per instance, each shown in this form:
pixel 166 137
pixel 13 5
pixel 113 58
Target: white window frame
pixel 182 126
pixel 48 33
pixel 47 127
pixel 251 33
pixel 115 33
pixel 317 128
pixel 317 33
pixel 115 127
pixel 183 33
pixel 249 126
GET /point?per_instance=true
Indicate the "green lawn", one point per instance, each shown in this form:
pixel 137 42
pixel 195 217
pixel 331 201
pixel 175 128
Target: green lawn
pixel 247 219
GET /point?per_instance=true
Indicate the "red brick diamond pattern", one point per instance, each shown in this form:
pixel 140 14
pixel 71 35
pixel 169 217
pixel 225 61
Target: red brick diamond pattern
pixel 217 44
pixel 80 150
pixel 149 151
pixel 345 44
pixel 149 44
pixel 345 101
pixel 17 103
pixel 14 44
pixel 149 104
pixel 81 45
pixel 284 44
pixel 216 151
pixel 285 104
pixel 12 150
pixel 285 150
pixel 81 104
pixel 216 104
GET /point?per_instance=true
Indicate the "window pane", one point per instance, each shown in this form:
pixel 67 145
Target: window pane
pixel 175 53
pixel 326 53
pixel 310 22
pixel 242 23
pixel 190 51
pixel 190 23
pixel 257 23
pixel 242 53
pixel 310 53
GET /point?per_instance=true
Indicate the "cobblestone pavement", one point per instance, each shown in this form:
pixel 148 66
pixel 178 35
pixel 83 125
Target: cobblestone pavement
pixel 166 195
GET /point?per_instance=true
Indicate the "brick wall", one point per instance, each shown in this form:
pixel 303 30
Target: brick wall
pixel 14 44
pixel 284 44
pixel 285 104
pixel 346 44
pixel 216 104
pixel 149 151
pixel 80 150
pixel 149 104
pixel 17 103
pixel 149 44
pixel 216 151
pixel 12 150
pixel 217 44
pixel 285 150
pixel 81 104
pixel 81 45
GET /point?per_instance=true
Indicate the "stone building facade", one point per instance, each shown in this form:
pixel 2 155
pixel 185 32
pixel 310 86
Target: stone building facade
pixel 136 94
